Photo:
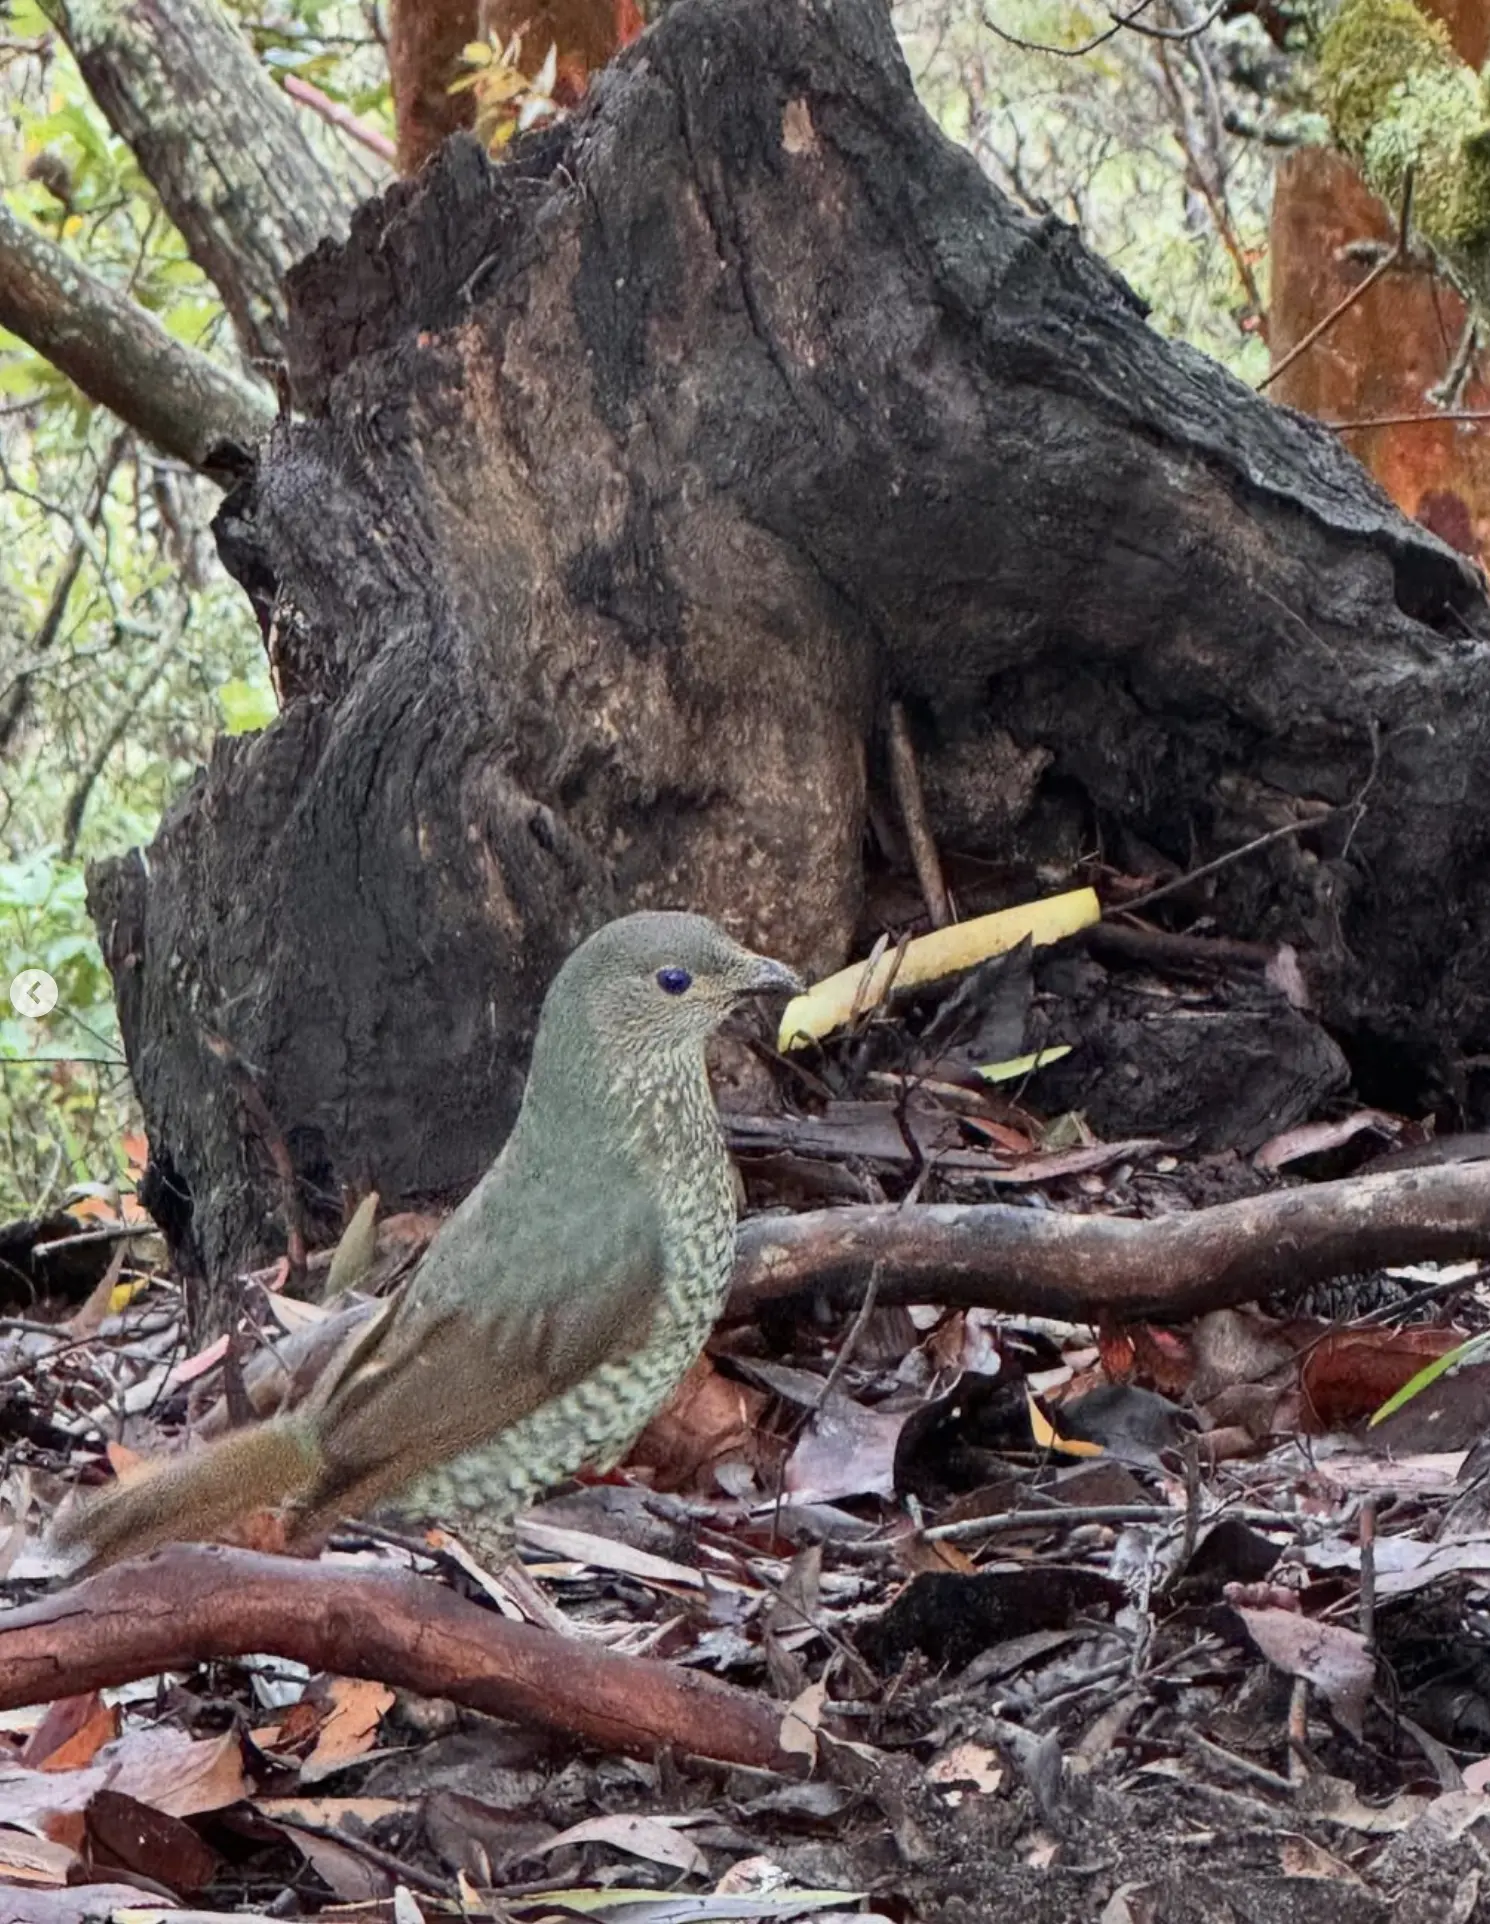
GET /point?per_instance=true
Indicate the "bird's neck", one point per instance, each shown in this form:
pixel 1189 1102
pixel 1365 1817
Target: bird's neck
pixel 590 1099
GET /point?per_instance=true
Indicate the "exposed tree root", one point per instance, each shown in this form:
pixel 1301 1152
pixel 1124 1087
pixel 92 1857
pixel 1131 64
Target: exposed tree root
pixel 1049 1263
pixel 192 1603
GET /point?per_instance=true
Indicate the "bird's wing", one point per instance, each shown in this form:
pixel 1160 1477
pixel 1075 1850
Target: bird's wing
pixel 488 1331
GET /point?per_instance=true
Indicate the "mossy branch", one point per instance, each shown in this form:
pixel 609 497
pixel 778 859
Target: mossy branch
pixel 1400 103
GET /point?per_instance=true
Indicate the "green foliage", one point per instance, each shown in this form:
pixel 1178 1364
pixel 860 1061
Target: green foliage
pixel 246 705
pixel 1401 102
pixel 1127 141
pixel 64 1096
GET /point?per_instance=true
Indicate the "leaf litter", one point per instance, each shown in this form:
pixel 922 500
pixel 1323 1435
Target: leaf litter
pixel 1040 1604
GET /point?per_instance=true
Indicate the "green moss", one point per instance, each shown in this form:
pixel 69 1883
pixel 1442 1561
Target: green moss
pixel 1399 99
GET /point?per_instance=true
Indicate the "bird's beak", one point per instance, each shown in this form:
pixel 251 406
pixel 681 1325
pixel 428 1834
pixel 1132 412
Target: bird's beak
pixel 761 976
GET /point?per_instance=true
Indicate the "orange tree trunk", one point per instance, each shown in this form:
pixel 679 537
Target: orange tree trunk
pixel 1378 361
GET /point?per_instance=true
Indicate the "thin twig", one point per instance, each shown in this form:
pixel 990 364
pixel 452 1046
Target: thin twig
pixel 850 1342
pixel 1257 843
pixel 115 1233
pixel 336 115
pixel 905 778
pixel 1298 1731
pixel 1368 1572
pixel 1343 306
pixel 1059 1517
pixel 1119 21
pixel 1408 420
pixel 398 1868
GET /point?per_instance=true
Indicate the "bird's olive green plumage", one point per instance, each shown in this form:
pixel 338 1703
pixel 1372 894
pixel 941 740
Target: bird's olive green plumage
pixel 557 1308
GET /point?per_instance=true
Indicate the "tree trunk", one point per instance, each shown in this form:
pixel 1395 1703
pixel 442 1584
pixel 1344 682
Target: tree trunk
pixel 632 477
pixel 218 141
pixel 1379 361
pixel 425 38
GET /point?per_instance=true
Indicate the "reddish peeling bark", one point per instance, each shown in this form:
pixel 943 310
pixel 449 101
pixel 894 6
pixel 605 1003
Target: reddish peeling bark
pixel 1379 361
pixel 191 1604
pixel 425 38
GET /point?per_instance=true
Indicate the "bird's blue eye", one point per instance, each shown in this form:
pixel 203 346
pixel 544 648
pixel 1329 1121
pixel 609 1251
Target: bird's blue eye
pixel 674 981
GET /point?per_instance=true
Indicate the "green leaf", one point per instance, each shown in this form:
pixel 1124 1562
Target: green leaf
pixel 246 705
pixel 1467 1352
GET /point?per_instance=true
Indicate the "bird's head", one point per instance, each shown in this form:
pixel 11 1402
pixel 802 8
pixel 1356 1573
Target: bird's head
pixel 664 975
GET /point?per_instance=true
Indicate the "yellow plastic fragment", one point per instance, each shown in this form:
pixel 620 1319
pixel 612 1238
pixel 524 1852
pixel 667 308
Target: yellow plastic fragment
pixel 123 1294
pixel 1018 1066
pixel 1048 1437
pixel 828 1004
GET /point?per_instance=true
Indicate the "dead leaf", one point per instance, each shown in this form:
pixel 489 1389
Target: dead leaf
pixel 358 1705
pixel 71 1733
pixel 125 1834
pixel 604 1553
pixel 1313 1138
pixel 846 1450
pixel 197 1366
pixel 1336 1660
pixel 178 1774
pixel 658 1839
pixel 122 1459
pixel 357 1251
pixel 837 998
pixel 25 1859
pixel 348 1874
pixel 709 1421
pixel 88 1319
pixel 970 1764
pixel 799 1723
pixel 163 1767
pixel 329 1811
pixel 1302 1857
pixel 1348 1373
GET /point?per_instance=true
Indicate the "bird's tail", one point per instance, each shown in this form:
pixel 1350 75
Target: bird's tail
pixel 191 1499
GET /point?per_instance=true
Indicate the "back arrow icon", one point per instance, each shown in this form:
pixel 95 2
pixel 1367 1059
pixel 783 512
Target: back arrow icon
pixel 33 993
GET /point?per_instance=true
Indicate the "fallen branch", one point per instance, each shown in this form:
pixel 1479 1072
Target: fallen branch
pixel 191 1604
pixel 1046 1263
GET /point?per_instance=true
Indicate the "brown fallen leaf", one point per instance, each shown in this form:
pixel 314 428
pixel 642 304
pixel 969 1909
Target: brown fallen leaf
pixel 124 1834
pixel 1313 1138
pixel 32 1860
pixel 1348 1373
pixel 1302 1857
pixel 357 1706
pixel 709 1421
pixel 1336 1660
pixel 71 1733
pixel 846 1450
pixel 800 1721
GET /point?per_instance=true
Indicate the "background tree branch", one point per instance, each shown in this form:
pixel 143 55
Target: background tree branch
pixel 119 354
pixel 220 143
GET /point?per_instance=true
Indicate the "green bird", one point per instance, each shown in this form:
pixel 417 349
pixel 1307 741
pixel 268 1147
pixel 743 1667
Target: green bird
pixel 558 1307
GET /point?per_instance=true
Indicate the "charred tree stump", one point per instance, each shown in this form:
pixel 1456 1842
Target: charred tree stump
pixel 628 480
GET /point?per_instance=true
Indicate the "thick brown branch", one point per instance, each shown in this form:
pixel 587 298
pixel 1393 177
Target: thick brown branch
pixel 193 1604
pixel 1051 1264
pixel 119 355
pixel 221 145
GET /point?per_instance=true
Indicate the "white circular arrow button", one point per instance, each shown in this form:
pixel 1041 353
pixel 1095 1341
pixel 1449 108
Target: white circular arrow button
pixel 33 992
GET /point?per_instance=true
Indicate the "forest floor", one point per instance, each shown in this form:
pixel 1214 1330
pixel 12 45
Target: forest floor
pixel 1115 1620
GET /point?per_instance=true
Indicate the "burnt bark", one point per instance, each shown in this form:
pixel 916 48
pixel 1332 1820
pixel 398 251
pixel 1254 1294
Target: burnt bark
pixel 633 476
